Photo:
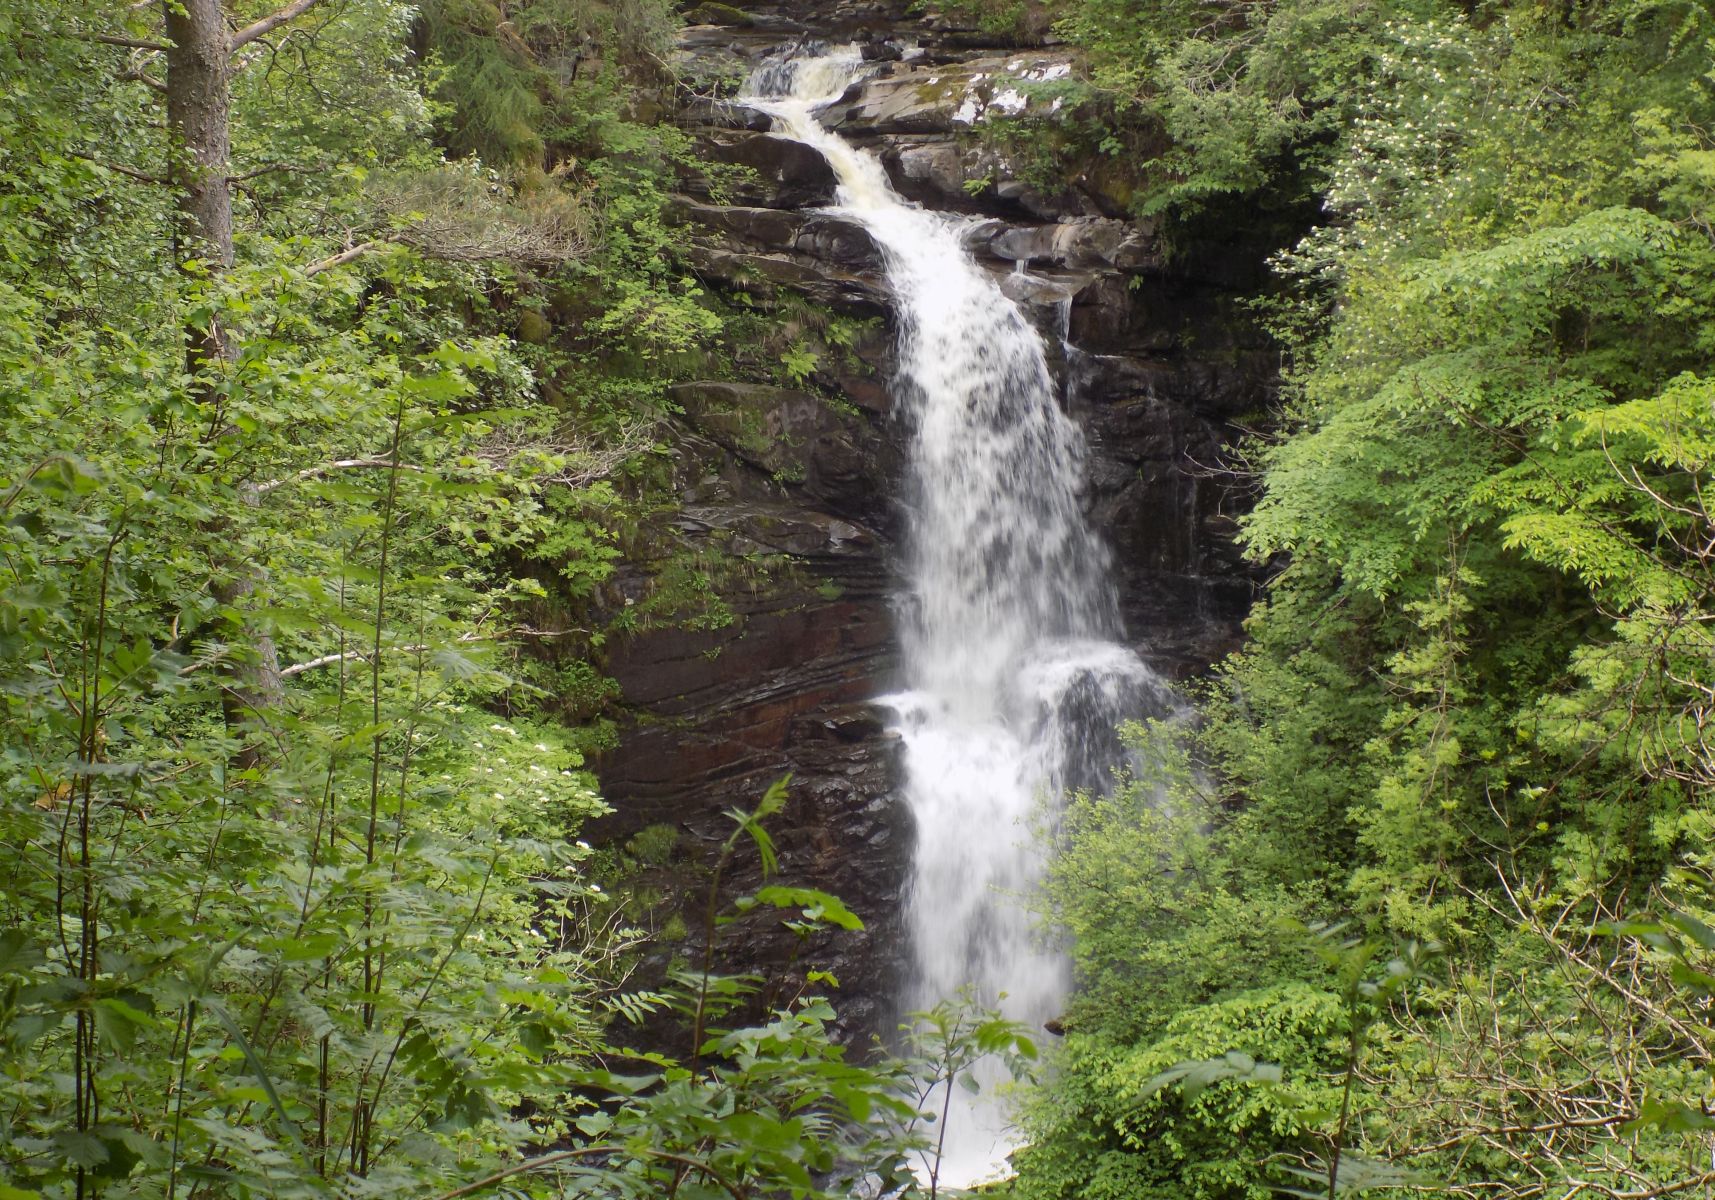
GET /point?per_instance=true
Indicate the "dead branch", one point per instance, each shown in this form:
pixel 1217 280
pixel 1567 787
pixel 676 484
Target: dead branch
pixel 342 464
pixel 328 660
pixel 268 24
pixel 344 256
pixel 1579 1187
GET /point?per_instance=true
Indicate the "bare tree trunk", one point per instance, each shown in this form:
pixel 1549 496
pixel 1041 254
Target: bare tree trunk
pixel 199 116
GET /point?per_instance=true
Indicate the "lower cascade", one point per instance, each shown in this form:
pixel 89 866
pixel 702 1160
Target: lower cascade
pixel 1014 676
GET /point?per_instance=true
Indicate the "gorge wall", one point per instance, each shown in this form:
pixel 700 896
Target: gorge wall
pixel 796 488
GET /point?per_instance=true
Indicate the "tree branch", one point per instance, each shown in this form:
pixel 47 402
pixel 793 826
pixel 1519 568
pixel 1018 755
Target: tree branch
pixel 343 257
pixel 147 80
pixel 328 660
pixel 108 39
pixel 129 172
pixel 1466 1135
pixel 1666 1189
pixel 269 170
pixel 341 464
pixel 269 24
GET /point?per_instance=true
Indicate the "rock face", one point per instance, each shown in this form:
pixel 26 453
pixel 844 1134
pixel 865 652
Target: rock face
pixel 1154 361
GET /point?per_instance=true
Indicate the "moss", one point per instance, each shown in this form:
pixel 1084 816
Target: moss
pixel 654 845
pixel 534 328
pixel 719 14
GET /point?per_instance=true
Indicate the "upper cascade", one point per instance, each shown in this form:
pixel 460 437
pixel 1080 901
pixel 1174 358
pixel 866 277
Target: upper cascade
pixel 813 72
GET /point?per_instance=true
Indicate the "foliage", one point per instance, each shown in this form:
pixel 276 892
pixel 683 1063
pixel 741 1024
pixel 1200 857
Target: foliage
pixel 1187 910
pixel 1104 1132
pixel 959 1044
pixel 289 908
pixel 515 78
pixel 1471 707
pixel 327 966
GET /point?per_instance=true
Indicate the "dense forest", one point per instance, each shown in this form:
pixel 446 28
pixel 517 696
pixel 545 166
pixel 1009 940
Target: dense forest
pixel 337 344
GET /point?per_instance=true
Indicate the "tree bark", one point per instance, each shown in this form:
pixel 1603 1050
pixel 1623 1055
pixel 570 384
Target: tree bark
pixel 199 118
pixel 199 114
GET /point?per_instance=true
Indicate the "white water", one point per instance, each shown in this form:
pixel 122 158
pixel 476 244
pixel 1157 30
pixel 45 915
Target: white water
pixel 1014 677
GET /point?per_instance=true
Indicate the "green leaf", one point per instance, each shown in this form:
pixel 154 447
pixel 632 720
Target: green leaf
pixel 309 949
pixel 1670 1115
pixel 119 1021
pixel 82 1149
pixel 1692 928
pixel 258 1070
pixel 595 1125
pixel 773 800
pixel 816 906
pixel 18 954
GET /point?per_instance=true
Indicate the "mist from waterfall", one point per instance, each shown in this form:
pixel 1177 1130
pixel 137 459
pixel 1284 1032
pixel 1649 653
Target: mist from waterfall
pixel 1014 678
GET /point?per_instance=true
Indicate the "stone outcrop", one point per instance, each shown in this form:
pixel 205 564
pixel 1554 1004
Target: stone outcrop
pixel 1155 360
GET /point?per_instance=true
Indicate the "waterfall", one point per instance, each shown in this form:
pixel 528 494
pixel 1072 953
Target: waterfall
pixel 1014 678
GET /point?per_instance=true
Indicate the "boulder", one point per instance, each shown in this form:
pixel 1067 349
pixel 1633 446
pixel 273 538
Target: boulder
pixel 776 172
pixel 915 98
pixel 1086 243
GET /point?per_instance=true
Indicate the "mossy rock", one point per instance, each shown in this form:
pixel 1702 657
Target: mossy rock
pixel 533 327
pixel 719 14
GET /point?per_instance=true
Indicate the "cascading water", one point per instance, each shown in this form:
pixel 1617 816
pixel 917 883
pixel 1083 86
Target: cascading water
pixel 1014 676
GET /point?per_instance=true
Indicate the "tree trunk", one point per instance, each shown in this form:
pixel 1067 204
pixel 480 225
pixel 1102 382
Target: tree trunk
pixel 199 114
pixel 199 118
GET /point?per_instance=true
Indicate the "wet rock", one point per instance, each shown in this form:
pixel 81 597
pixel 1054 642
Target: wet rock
pixel 821 254
pixel 909 98
pixel 1089 243
pixel 937 169
pixel 777 172
pixel 797 439
pixel 845 291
